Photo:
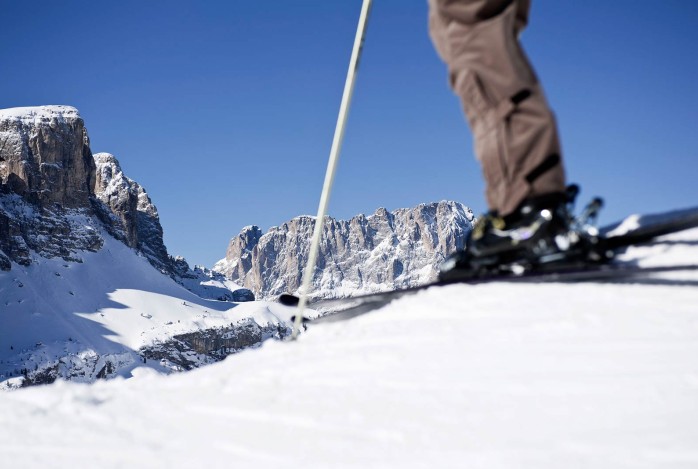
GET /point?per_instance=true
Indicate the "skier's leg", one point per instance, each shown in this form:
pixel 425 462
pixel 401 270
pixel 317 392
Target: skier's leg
pixel 515 133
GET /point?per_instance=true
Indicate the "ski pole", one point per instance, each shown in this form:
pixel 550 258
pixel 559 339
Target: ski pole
pixel 332 164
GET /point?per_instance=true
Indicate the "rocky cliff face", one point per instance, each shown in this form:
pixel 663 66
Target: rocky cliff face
pixel 45 156
pixel 47 176
pixel 57 199
pixel 367 253
pixel 132 216
pixel 53 188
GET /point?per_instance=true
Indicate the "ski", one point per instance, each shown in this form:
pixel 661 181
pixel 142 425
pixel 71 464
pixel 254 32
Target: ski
pixel 649 227
pixel 612 238
pixel 339 309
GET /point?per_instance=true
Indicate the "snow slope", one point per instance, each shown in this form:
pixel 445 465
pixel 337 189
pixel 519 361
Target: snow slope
pixel 76 315
pixel 488 376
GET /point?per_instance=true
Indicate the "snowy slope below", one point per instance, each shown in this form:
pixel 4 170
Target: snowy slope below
pixel 487 376
pixel 71 315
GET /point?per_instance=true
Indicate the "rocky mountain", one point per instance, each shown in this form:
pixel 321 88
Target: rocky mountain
pixel 47 177
pixel 87 287
pixel 51 184
pixel 131 215
pixel 367 253
pixel 56 197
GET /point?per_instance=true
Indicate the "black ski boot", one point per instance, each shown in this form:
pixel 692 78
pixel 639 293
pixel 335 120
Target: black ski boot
pixel 541 231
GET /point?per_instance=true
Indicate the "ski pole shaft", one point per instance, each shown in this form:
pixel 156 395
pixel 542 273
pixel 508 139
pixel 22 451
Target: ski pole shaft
pixel 332 164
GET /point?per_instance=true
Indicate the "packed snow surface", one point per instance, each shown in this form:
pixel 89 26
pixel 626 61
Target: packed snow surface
pixel 488 376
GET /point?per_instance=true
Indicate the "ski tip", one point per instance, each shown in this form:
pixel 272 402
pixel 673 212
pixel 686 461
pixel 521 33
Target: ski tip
pixel 287 299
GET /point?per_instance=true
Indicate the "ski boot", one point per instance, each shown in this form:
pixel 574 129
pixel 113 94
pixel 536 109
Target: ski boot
pixel 541 232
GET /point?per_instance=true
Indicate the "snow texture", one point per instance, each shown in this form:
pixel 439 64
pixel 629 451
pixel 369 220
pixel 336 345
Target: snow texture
pixel 488 376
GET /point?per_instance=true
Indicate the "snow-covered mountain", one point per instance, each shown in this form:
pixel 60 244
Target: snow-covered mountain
pixel 54 192
pixel 87 287
pixel 381 251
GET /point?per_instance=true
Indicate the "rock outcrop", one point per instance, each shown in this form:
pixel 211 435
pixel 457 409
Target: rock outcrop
pixel 367 253
pixel 45 156
pixel 194 349
pixel 131 217
pixel 47 176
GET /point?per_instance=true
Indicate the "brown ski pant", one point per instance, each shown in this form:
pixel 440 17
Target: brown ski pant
pixel 516 139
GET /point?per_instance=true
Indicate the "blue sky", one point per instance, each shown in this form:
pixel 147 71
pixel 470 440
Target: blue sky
pixel 225 111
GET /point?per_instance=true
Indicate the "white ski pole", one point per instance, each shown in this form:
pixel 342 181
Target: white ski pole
pixel 332 165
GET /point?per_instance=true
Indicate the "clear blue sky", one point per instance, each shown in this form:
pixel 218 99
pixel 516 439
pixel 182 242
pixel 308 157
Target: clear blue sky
pixel 224 111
